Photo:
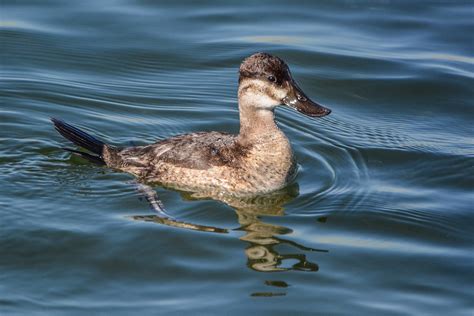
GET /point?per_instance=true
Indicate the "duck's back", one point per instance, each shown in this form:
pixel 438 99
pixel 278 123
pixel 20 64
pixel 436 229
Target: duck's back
pixel 199 150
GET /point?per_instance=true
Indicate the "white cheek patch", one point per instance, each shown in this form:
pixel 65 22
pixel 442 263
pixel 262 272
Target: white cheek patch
pixel 264 95
pixel 264 101
pixel 280 93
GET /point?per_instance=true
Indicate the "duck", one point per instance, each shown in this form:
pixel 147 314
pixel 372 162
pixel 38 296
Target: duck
pixel 257 160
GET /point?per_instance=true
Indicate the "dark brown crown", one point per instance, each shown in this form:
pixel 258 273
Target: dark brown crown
pixel 263 65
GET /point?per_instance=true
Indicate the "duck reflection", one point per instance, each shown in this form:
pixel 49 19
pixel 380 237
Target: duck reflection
pixel 262 238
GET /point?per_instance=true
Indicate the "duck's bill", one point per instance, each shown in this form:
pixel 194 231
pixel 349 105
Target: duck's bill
pixel 297 100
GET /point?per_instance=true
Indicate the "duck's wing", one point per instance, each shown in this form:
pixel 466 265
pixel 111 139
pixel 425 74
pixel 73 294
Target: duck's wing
pixel 196 150
pixel 193 151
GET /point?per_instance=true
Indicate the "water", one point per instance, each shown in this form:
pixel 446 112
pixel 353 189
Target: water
pixel 379 220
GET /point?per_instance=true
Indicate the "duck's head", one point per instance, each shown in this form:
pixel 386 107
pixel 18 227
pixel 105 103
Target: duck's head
pixel 265 81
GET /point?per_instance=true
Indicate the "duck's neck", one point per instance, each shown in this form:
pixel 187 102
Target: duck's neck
pixel 271 162
pixel 256 124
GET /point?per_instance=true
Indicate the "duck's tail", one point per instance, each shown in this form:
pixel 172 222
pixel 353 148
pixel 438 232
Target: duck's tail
pixel 81 139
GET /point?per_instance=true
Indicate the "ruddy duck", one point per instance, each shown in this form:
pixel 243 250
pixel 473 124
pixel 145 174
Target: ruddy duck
pixel 257 160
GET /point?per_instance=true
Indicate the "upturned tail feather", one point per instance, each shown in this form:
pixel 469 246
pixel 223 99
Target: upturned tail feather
pixel 81 139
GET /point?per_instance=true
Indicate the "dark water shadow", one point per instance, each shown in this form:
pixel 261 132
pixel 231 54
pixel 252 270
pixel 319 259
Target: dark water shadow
pixel 262 238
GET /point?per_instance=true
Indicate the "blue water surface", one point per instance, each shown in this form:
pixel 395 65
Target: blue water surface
pixel 378 221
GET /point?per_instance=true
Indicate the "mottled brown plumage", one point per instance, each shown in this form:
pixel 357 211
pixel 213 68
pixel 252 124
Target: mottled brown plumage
pixel 212 162
pixel 257 160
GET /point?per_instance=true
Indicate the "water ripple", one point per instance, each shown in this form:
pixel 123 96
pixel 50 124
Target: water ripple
pixel 381 204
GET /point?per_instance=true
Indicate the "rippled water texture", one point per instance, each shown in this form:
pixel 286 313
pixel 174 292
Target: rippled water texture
pixel 378 221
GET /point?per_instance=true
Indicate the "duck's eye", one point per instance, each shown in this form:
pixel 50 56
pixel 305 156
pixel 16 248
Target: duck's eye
pixel 271 78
